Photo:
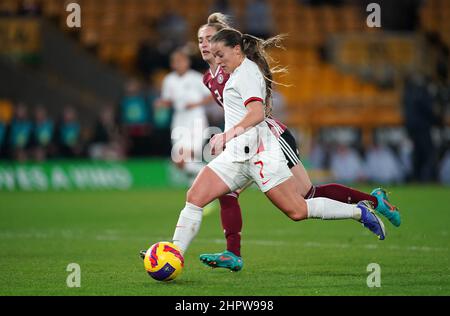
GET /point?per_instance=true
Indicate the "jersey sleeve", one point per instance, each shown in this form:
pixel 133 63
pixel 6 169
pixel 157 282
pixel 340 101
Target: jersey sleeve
pixel 251 86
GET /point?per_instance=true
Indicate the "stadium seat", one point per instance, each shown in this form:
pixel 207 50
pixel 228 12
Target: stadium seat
pixel 321 91
pixel 6 110
pixel 9 6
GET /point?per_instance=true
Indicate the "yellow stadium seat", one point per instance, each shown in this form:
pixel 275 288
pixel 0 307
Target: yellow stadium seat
pixel 6 111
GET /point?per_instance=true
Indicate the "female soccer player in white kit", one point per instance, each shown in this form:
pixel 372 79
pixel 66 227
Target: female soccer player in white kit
pixel 252 152
pixel 183 89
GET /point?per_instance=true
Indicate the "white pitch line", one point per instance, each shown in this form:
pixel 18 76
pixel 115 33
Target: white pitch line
pixel 115 235
pixel 315 244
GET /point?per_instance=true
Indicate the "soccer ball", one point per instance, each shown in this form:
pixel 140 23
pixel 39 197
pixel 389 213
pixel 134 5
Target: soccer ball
pixel 163 261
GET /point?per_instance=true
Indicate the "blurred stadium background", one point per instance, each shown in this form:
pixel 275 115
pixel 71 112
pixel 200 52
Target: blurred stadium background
pixel 367 104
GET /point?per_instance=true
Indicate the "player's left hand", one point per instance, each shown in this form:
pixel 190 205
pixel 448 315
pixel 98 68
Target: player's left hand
pixel 160 103
pixel 217 143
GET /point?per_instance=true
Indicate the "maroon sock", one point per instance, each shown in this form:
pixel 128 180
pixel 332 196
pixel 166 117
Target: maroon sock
pixel 340 193
pixel 230 214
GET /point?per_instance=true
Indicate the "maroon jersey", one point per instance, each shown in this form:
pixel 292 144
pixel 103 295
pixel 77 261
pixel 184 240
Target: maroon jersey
pixel 216 83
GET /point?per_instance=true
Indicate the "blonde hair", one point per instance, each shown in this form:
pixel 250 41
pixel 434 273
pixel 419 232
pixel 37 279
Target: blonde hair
pixel 254 49
pixel 218 21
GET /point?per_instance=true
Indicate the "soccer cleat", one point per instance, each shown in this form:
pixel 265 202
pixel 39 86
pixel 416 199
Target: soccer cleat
pixel 142 254
pixel 370 220
pixel 386 209
pixel 226 259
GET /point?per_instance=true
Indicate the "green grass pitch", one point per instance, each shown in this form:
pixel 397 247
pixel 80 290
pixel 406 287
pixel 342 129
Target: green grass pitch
pixel 41 233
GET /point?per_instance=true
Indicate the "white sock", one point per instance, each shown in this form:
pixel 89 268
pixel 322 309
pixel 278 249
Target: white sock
pixel 188 226
pixel 330 209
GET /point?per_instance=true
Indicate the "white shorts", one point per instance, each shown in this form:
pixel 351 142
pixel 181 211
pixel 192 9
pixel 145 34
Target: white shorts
pixel 267 169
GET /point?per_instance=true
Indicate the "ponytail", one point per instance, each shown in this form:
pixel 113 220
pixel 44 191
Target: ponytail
pixel 219 18
pixel 254 49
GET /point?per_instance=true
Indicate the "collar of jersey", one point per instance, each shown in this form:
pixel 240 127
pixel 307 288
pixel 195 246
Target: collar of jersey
pixel 244 61
pixel 217 72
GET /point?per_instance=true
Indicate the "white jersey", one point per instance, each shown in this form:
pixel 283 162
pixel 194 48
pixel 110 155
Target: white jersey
pixel 187 124
pixel 183 90
pixel 246 84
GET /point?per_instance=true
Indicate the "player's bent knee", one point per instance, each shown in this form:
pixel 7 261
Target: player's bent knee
pixel 198 196
pixel 298 213
pixel 193 197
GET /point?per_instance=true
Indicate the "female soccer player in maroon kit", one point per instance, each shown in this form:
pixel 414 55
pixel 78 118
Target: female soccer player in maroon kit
pixel 215 79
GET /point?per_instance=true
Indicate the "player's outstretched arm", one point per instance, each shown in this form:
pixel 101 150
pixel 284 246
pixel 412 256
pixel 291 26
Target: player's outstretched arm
pixel 254 116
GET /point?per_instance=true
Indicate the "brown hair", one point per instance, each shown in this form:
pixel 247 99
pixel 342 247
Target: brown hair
pixel 254 49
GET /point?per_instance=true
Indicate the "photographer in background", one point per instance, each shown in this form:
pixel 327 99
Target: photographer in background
pixel 18 134
pixel 69 134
